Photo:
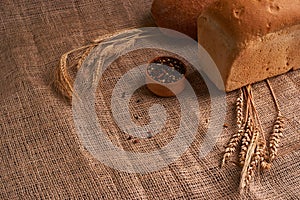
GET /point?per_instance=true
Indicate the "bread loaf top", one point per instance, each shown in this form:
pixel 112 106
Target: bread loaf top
pixel 245 19
pixel 250 40
pixel 179 15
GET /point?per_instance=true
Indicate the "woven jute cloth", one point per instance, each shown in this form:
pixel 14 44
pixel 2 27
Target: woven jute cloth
pixel 41 155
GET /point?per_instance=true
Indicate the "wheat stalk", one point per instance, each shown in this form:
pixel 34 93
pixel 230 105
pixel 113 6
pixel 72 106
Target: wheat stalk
pixel 246 140
pixel 261 156
pixel 278 128
pixel 249 166
pixel 275 136
pixel 254 154
pixel 62 80
pixel 236 138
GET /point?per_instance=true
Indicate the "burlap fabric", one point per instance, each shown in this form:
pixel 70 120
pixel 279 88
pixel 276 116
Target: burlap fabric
pixel 41 156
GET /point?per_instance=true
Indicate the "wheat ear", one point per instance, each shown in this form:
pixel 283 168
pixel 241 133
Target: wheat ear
pixel 275 136
pixel 239 109
pixel 246 140
pixel 260 155
pixel 278 128
pixel 62 80
pixel 236 138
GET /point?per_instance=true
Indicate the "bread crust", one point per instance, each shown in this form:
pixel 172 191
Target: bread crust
pixel 179 15
pixel 251 40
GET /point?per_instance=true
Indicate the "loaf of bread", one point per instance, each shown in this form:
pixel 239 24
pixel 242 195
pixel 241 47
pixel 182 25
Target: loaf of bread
pixel 179 15
pixel 250 40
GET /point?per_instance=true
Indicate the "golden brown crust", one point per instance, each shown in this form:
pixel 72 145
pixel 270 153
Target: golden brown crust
pixel 251 40
pixel 179 15
pixel 244 19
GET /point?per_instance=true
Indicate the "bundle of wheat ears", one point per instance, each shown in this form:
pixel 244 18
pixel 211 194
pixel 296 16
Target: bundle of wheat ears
pixel 250 140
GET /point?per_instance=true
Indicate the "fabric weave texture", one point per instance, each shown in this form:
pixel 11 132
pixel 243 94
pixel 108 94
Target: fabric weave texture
pixel 41 156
